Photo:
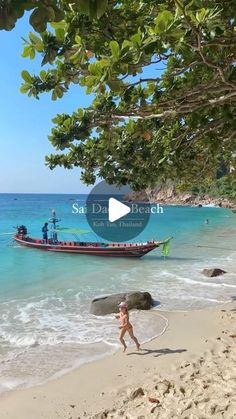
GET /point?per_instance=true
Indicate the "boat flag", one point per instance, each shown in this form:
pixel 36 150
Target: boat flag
pixel 166 248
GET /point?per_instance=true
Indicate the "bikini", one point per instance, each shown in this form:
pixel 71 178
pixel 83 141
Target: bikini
pixel 127 326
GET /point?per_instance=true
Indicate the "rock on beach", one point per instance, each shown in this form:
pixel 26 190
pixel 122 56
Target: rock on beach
pixel 101 306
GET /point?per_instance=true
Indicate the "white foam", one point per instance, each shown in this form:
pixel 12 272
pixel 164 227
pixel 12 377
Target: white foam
pixel 9 383
pixel 45 362
pixel 18 341
pixel 204 283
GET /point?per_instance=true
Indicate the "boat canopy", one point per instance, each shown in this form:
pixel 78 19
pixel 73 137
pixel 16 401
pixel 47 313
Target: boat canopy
pixel 72 230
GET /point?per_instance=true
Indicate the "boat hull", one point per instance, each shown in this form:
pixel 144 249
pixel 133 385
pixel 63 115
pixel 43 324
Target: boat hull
pixel 90 248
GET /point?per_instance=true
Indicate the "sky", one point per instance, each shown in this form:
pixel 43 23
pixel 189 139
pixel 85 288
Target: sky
pixel 25 124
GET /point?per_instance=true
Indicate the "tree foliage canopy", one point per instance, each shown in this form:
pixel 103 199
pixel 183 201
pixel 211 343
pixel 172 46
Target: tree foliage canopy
pixel 163 79
pixel 44 11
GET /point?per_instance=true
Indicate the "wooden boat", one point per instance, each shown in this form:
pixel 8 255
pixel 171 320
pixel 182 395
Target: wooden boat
pixel 89 248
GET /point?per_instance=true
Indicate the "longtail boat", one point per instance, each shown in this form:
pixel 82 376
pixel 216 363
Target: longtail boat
pixel 86 247
pixel 91 248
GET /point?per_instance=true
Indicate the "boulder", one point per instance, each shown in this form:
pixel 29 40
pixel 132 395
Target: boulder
pixel 213 272
pixel 109 304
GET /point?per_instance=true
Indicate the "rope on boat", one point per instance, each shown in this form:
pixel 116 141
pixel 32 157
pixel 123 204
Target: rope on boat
pixel 214 247
pixel 209 247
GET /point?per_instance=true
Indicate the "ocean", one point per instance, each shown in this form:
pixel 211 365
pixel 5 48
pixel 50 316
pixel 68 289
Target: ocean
pixel 46 329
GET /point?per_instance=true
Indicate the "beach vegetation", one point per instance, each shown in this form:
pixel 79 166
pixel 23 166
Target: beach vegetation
pixel 224 187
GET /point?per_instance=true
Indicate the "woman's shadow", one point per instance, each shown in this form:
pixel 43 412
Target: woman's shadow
pixel 157 352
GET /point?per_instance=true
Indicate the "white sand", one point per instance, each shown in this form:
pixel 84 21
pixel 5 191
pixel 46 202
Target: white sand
pixel 189 373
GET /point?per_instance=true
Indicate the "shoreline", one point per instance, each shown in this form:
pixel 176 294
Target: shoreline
pixel 107 383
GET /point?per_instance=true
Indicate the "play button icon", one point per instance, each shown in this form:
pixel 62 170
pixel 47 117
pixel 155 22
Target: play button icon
pixel 116 210
pixel 113 216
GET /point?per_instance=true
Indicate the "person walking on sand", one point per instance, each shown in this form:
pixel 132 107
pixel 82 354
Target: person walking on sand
pixel 126 326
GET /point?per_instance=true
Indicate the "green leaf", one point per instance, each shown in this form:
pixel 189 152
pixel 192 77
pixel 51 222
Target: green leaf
pixel 101 7
pixel 67 123
pixel 32 53
pixel 89 90
pixel 90 81
pixel 193 18
pixel 26 76
pixel 36 42
pixel 56 119
pixel 54 94
pixel 115 49
pixel 95 9
pixel 126 44
pixel 201 15
pixel 34 39
pixel 115 85
pixel 162 160
pixel 163 21
pixel 80 112
pixel 43 75
pixel 58 25
pixel 78 39
pixel 25 88
pixel 60 34
pixel 75 58
pixel 26 51
pixel 84 6
pixel 136 39
pixel 59 91
pixel 177 33
pixel 189 5
pixel 95 69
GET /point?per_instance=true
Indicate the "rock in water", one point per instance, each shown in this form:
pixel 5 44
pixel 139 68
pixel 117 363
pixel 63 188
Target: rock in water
pixel 139 300
pixel 109 304
pixel 213 272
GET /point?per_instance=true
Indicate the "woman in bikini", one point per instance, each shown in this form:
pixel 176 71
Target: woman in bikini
pixel 126 326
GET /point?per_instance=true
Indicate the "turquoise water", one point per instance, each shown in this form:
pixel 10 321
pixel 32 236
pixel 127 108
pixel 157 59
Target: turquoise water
pixel 45 297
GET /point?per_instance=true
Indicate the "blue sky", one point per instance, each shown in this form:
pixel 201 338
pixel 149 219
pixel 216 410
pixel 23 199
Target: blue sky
pixel 26 122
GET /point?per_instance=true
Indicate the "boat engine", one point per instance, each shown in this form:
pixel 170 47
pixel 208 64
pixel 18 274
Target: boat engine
pixel 22 230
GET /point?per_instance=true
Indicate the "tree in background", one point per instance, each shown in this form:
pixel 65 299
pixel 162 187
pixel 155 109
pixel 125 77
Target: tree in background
pixel 163 79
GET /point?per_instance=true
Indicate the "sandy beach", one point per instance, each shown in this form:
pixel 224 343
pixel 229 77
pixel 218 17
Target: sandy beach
pixel 188 372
